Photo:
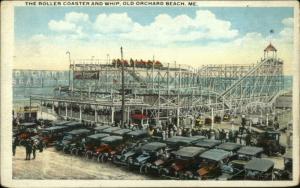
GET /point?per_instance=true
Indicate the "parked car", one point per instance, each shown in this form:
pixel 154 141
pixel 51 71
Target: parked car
pixel 207 143
pixel 230 146
pixel 98 129
pixel 183 163
pixel 287 172
pixel 71 137
pixel 110 146
pixel 52 134
pixel 120 132
pixel 259 169
pixel 269 141
pixel 212 162
pixel 92 145
pixel 246 153
pixel 149 152
pixel 110 130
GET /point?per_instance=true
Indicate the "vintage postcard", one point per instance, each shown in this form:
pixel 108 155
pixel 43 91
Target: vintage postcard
pixel 149 93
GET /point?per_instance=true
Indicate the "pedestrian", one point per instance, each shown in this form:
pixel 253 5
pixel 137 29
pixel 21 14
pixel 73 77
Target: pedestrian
pixel 34 147
pixel 14 145
pixel 28 149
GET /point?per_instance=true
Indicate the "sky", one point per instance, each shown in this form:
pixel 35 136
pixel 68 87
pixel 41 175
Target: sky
pixel 191 35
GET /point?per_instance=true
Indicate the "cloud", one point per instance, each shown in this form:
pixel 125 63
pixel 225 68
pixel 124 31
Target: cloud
pixel 73 22
pixel 165 29
pixel 288 22
pixel 287 33
pixel 113 23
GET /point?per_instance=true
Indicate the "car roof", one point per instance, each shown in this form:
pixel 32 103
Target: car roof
pixel 79 131
pixel 261 165
pixel 73 123
pixel 207 143
pixel 121 131
pixel 229 146
pixel 250 150
pixel 112 138
pixel 27 124
pixel 110 129
pixel 101 127
pixel 137 133
pixel 154 146
pixel 54 128
pixel 98 136
pixel 215 154
pixel 190 151
pixel 60 122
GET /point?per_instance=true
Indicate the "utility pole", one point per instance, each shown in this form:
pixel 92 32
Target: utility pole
pixel 69 68
pixel 123 93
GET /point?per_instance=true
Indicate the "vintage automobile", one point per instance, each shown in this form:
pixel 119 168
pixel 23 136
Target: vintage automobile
pixel 229 146
pixel 259 169
pixel 287 172
pixel 133 141
pixel 246 153
pixel 110 130
pixel 60 123
pixel 176 142
pixel 173 144
pixel 71 137
pixel 207 143
pixel 212 162
pixel 269 141
pixel 120 132
pixel 234 170
pixel 110 146
pixel 71 125
pixel 52 134
pixel 136 135
pixel 26 131
pixel 98 129
pixel 149 152
pixel 183 163
pixel 92 144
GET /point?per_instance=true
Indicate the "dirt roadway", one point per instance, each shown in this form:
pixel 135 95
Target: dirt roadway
pixel 55 165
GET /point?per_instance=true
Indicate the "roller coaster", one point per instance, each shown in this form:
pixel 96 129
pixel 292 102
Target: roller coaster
pixel 161 91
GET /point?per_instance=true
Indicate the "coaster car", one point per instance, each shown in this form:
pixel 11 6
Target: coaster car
pixel 212 162
pixel 259 169
pixel 183 164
